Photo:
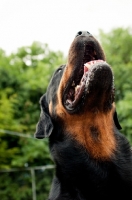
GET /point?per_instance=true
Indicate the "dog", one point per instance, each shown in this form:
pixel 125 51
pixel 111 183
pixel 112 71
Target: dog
pixel 93 159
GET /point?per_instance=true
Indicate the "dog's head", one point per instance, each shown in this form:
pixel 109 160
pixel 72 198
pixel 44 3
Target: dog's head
pixel 80 89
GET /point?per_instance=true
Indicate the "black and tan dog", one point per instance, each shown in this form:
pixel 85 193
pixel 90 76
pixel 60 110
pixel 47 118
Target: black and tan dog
pixel 93 159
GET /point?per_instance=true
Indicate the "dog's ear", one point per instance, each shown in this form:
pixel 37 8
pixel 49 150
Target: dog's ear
pixel 44 126
pixel 115 117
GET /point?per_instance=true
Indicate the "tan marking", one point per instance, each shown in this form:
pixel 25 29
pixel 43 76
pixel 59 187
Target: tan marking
pixel 79 126
pixel 61 88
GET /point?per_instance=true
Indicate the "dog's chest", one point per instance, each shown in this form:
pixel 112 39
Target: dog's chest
pixel 73 160
pixel 76 169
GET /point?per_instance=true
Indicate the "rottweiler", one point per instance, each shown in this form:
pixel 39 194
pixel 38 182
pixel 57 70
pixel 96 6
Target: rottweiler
pixel 93 159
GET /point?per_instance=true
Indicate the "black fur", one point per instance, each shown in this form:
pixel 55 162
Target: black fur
pixel 79 174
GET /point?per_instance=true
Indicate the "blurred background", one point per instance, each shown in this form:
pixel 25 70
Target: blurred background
pixel 35 37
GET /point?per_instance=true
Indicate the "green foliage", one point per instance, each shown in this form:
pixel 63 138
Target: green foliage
pixel 117 45
pixel 24 77
pixel 45 184
pixel 18 185
pixel 15 186
pixel 118 50
pixel 33 152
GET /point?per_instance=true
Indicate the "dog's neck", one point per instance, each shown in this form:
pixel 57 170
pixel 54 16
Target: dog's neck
pixel 94 130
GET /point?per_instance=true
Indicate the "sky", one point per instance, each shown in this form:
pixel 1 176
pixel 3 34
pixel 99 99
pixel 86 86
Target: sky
pixel 56 22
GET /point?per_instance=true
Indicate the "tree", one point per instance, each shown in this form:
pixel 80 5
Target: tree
pixel 118 50
pixel 24 77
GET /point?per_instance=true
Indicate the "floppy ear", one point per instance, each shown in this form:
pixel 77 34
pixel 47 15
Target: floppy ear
pixel 44 126
pixel 115 117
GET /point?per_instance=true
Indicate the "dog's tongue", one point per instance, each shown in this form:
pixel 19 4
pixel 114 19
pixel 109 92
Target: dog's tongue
pixel 88 65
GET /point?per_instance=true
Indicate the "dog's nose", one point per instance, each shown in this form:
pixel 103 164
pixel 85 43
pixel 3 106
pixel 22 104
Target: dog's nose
pixel 83 33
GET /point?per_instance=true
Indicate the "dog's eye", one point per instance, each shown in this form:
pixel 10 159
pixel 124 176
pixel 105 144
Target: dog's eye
pixel 59 70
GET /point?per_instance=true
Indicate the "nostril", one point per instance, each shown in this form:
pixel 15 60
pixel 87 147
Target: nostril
pixel 80 33
pixel 83 33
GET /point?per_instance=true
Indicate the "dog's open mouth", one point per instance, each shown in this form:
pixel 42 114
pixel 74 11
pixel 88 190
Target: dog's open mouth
pixel 77 91
pixel 94 74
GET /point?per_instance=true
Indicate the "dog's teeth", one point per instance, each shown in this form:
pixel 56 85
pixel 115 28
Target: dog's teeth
pixel 87 65
pixel 77 88
pixel 90 63
pixel 85 68
pixel 68 101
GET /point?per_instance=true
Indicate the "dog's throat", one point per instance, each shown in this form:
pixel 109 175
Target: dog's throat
pixel 94 132
pixel 76 91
